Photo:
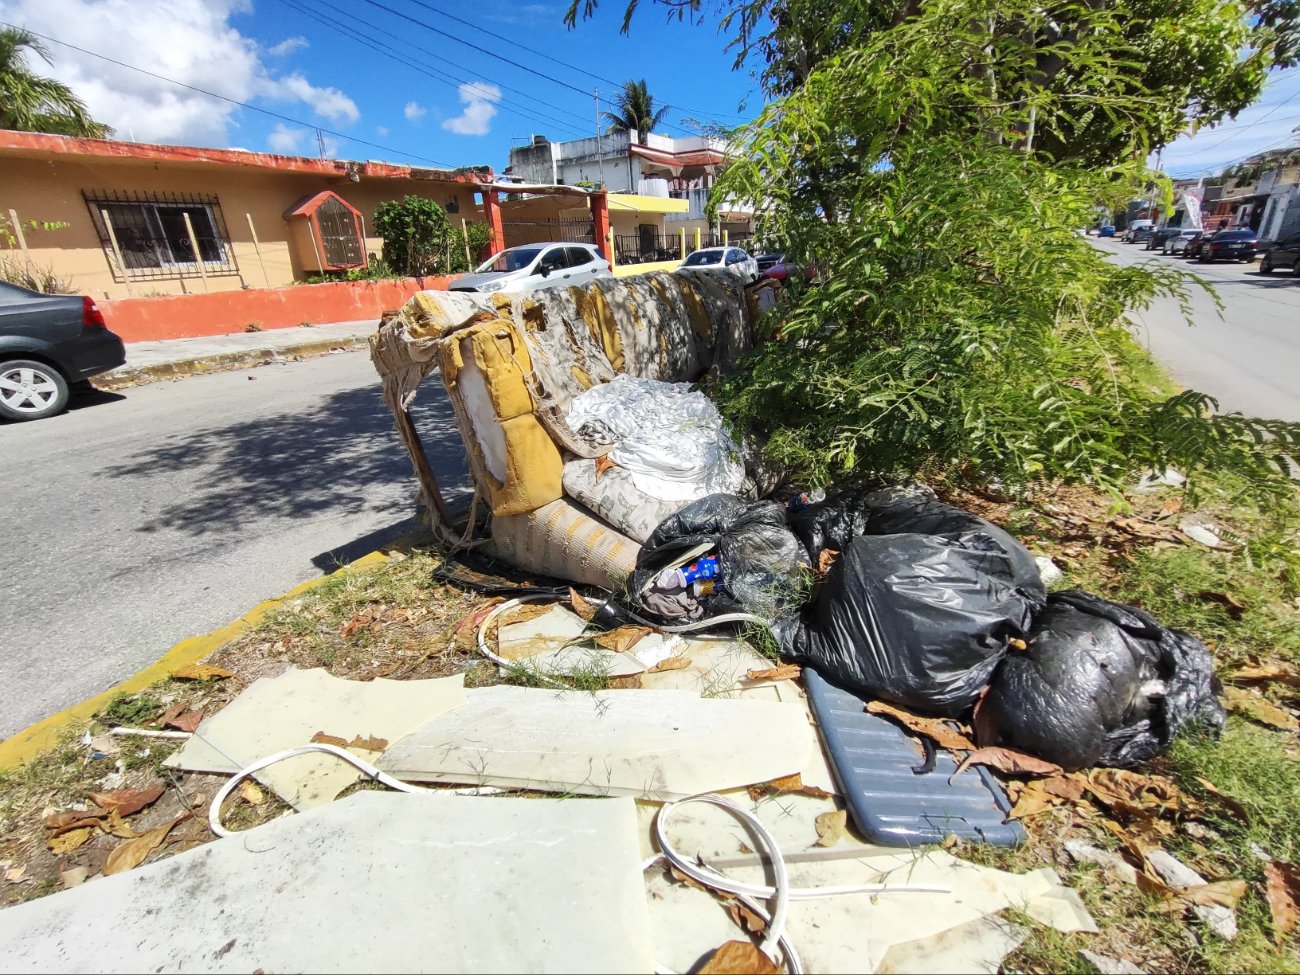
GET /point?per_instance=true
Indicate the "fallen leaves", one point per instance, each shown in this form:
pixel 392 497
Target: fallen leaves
pixel 1260 710
pixel 581 606
pixel 131 853
pixel 202 672
pixel 620 640
pixel 251 793
pixel 1234 607
pixel 1045 794
pixel 1283 893
pixel 1131 793
pixel 1229 803
pixel 1139 528
pixel 779 672
pixel 127 802
pixel 670 663
pixel 64 843
pixel 786 785
pixel 737 958
pixel 465 633
pixel 1006 760
pixel 369 743
pixel 746 919
pixel 74 877
pixel 831 827
pixel 16 875
pixel 1264 673
pixel 825 559
pixel 937 728
pixel 603 463
pixel 179 718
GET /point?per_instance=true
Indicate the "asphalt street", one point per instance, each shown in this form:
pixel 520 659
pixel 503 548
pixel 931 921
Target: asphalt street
pixel 143 517
pixel 1248 358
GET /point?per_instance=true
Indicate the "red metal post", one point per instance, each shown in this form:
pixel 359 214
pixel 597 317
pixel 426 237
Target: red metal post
pixel 492 215
pixel 600 221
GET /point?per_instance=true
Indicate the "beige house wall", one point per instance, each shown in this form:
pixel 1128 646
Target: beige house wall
pixel 49 190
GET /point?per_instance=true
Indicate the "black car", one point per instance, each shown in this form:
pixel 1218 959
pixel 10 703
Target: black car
pixel 1193 246
pixel 1228 245
pixel 49 343
pixel 1285 253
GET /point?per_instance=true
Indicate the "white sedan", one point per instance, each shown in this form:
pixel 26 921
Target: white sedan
pixel 731 259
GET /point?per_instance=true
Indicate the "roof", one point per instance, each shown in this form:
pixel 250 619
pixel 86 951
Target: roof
pixel 678 160
pixel 309 204
pixel 637 203
pixel 40 144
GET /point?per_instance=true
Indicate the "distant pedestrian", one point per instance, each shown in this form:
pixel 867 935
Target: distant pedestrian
pixel 1223 224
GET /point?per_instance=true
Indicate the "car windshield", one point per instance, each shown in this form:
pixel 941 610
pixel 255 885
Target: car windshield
pixel 1235 235
pixel 770 259
pixel 703 257
pixel 514 259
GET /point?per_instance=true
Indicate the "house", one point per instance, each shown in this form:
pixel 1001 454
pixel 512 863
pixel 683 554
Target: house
pixel 1258 194
pixel 116 219
pixel 636 170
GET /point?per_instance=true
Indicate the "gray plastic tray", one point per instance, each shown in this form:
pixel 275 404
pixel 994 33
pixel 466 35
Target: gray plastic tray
pixel 872 759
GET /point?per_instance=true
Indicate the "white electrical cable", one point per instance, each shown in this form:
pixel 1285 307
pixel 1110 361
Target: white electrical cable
pixel 781 893
pixel 501 661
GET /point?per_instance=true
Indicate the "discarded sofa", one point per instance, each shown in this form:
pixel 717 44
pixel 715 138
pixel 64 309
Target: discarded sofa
pixel 513 363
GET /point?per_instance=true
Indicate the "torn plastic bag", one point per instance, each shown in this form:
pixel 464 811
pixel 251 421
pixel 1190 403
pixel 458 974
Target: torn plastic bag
pixel 1101 684
pixel 918 619
pixel 763 566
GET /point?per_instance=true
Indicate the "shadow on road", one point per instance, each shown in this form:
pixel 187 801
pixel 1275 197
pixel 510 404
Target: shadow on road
pixel 300 464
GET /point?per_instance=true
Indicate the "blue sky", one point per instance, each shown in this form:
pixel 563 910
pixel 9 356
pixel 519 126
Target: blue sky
pixel 441 102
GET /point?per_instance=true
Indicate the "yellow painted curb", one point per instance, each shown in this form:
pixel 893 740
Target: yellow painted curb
pixel 31 741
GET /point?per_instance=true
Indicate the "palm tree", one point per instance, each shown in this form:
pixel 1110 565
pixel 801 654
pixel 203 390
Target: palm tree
pixel 32 103
pixel 636 110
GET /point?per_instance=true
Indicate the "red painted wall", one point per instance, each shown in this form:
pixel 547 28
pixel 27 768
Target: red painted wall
pixel 230 312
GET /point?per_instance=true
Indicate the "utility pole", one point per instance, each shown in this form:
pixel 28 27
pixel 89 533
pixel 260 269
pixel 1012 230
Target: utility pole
pixel 320 142
pixel 600 144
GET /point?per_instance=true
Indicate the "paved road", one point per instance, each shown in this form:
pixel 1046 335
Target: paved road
pixel 1250 358
pixel 140 518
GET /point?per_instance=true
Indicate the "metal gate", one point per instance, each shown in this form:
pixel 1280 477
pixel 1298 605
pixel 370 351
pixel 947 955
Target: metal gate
pixel 569 230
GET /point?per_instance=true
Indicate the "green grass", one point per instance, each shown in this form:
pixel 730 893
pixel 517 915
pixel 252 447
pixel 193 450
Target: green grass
pixel 132 710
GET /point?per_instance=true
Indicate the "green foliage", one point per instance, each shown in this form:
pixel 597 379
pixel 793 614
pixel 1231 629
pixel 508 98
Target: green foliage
pixel 130 710
pixel 32 103
pixel 33 277
pixel 635 110
pixel 419 239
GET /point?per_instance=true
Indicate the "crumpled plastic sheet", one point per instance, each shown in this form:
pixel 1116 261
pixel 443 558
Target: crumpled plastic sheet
pixel 669 437
pixel 1100 684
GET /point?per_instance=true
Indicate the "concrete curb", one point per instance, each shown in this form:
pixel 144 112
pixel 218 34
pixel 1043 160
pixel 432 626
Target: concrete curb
pixel 126 376
pixel 35 739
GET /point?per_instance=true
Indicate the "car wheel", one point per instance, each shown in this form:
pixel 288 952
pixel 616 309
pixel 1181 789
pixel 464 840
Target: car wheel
pixel 1202 258
pixel 31 390
pixel 1265 266
pixel 1295 268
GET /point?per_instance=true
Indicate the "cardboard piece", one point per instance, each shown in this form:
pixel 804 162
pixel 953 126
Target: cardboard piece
pixel 649 744
pixel 282 712
pixel 378 882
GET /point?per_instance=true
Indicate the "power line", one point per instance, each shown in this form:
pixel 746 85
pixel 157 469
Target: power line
pixel 451 80
pixel 232 101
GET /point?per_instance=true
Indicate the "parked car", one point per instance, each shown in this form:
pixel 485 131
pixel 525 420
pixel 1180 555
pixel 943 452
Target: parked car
pixel 1284 253
pixel 1137 232
pixel 50 345
pixel 781 268
pixel 723 258
pixel 1228 245
pixel 530 267
pixel 1106 231
pixel 1178 243
pixel 1156 239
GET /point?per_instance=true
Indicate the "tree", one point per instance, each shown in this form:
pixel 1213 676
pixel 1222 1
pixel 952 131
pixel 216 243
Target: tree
pixel 32 103
pixel 636 110
pixel 419 239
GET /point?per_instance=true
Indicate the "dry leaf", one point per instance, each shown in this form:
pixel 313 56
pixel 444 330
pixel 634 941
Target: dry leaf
pixel 115 825
pixel 69 841
pixel 1229 803
pixel 580 606
pixel 1234 608
pixel 525 613
pixel 1043 794
pixel 779 672
pixel 936 728
pixel 1263 673
pixel 737 958
pixel 128 802
pixel 131 853
pixel 360 620
pixel 746 919
pixel 1221 893
pixel 74 877
pixel 825 559
pixel 983 726
pixel 1283 896
pixel 785 785
pixel 64 821
pixel 603 463
pixel 626 682
pixel 687 880
pixel 1142 834
pixel 185 721
pixel 1171 507
pixel 831 827
pixel 172 712
pixel 202 672
pixel 251 793
pixel 16 875
pixel 1006 760
pixel 466 631
pixel 1132 793
pixel 1015 643
pixel 1145 529
pixel 670 663
pixel 620 640
pixel 370 743
pixel 950 842
pixel 1260 710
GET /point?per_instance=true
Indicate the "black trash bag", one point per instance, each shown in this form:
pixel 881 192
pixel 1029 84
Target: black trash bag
pixel 1101 684
pixel 763 566
pixel 918 619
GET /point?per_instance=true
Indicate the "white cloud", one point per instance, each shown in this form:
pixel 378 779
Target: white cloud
pixel 480 100
pixel 414 111
pixel 381 131
pixel 190 41
pixel 1262 126
pixel 328 103
pixel 284 139
pixel 287 46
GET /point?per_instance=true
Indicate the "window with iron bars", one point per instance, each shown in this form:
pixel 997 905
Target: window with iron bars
pixel 152 236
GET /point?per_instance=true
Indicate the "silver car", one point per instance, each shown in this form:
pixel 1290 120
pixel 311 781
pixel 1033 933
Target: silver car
pixel 1177 244
pixel 531 267
pixel 731 259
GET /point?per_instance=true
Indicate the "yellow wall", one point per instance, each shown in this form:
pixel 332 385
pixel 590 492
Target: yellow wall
pixel 50 190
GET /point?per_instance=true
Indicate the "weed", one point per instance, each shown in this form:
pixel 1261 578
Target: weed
pixel 306 324
pixel 131 709
pixel 761 639
pixel 253 327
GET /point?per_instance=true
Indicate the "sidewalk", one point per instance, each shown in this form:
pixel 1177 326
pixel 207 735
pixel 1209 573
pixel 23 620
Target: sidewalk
pixel 148 362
